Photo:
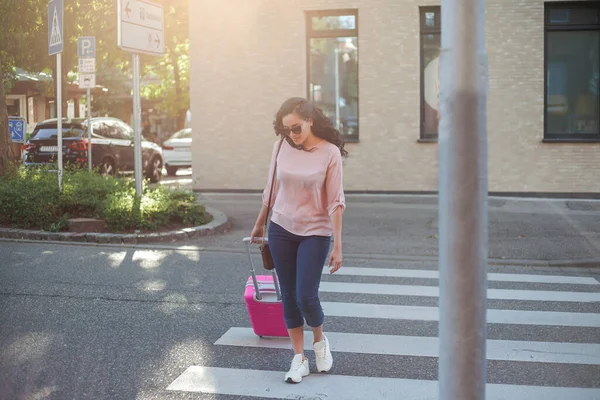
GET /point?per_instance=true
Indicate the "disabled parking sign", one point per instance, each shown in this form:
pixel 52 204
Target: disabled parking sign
pixel 17 128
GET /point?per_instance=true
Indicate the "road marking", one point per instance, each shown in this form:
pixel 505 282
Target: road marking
pixel 414 313
pixel 270 384
pixel 504 350
pixel 433 291
pixel 432 274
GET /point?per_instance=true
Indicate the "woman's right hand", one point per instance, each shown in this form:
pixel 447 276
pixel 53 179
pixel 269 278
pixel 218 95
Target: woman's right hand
pixel 257 232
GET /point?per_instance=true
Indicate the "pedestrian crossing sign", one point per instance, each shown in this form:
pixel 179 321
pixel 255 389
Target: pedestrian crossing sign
pixel 55 27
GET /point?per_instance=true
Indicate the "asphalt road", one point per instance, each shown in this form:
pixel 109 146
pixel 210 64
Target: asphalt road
pixel 407 226
pixel 89 322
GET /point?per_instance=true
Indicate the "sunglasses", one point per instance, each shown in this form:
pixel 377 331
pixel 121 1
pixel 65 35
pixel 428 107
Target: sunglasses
pixel 297 129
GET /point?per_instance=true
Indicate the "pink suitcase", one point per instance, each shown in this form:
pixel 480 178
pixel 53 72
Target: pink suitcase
pixel 263 301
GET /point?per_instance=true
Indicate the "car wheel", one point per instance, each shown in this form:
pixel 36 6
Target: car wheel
pixel 107 168
pixel 171 171
pixel 155 170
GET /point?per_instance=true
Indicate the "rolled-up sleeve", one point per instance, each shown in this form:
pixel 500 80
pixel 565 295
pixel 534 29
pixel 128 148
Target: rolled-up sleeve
pixel 334 183
pixel 267 190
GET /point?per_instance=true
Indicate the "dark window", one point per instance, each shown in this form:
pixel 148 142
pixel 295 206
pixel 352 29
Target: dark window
pixel 430 28
pixel 332 45
pixel 51 132
pixel 572 66
pixel 99 129
pixel 124 131
pixel 108 130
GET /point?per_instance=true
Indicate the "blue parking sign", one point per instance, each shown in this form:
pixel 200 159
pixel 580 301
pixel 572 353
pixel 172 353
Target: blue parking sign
pixel 17 128
pixel 86 47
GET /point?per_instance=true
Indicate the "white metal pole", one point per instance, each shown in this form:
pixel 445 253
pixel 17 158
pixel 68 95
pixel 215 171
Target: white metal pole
pixel 59 118
pixel 89 108
pixel 137 126
pixel 463 189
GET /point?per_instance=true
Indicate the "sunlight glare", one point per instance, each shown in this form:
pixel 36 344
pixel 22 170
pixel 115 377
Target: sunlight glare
pixel 149 259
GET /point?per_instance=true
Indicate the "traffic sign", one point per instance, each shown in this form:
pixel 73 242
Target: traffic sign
pixel 87 65
pixel 55 27
pixel 86 47
pixel 140 27
pixel 17 127
pixel 87 81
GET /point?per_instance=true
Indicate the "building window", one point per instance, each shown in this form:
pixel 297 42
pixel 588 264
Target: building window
pixel 430 32
pixel 572 66
pixel 332 64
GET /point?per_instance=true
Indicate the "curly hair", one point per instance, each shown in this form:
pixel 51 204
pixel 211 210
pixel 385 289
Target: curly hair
pixel 322 126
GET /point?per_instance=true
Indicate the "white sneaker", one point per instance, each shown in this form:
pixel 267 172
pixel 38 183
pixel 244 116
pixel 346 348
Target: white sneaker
pixel 323 355
pixel 298 370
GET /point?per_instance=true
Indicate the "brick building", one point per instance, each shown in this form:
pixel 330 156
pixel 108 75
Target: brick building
pixel 372 65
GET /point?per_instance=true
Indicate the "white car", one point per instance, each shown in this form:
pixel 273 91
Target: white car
pixel 177 151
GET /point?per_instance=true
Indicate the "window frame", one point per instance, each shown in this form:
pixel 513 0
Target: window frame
pixel 332 33
pixel 566 27
pixel 424 30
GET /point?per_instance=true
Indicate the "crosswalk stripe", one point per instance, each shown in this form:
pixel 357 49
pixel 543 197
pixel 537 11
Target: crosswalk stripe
pixel 269 384
pixel 498 277
pixel 433 291
pixel 494 316
pixel 504 350
pixel 249 383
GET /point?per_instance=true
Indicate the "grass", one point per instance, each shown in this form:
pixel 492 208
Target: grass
pixel 30 199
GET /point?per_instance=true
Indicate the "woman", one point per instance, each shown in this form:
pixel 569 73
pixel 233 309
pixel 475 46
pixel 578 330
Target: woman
pixel 307 205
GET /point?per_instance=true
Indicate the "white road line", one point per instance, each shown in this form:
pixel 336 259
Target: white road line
pixel 504 350
pixel 432 274
pixel 433 291
pixel 414 313
pixel 270 384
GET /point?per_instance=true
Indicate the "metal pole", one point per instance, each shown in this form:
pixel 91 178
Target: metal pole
pixel 59 118
pixel 89 107
pixel 463 192
pixel 137 126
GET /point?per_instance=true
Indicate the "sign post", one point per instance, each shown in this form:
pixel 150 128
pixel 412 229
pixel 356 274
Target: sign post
pixel 55 47
pixel 86 50
pixel 463 207
pixel 17 126
pixel 140 30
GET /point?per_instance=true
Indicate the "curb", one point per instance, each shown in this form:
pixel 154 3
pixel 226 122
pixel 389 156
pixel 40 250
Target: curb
pixel 219 224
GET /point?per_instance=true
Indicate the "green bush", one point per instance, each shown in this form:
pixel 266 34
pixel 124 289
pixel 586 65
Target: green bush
pixel 30 198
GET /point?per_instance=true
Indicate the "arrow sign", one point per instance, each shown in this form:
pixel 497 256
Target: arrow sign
pixel 140 26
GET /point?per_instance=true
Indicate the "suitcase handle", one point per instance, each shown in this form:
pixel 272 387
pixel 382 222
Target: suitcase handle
pixel 246 240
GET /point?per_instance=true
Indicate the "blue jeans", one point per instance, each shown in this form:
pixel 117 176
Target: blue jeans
pixel 299 262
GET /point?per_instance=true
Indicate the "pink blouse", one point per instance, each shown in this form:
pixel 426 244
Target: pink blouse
pixel 308 188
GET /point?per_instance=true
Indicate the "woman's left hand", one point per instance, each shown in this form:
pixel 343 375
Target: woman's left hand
pixel 335 259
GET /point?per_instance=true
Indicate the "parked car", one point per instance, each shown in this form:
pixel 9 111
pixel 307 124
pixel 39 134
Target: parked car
pixel 112 147
pixel 177 151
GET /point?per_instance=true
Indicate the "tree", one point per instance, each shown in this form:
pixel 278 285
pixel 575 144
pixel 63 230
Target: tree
pixel 7 150
pixel 171 72
pixel 170 82
pixel 23 40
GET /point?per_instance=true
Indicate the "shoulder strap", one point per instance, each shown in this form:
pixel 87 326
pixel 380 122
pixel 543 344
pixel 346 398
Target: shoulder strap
pixel 272 186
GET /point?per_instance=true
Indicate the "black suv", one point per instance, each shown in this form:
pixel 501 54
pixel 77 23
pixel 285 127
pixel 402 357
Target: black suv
pixel 112 147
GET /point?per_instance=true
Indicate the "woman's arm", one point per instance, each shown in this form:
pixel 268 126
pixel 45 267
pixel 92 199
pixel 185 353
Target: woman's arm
pixel 336 222
pixel 259 225
pixel 335 258
pixel 335 208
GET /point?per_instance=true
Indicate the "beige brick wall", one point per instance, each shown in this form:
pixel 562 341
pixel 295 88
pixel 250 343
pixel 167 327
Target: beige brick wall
pixel 248 56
